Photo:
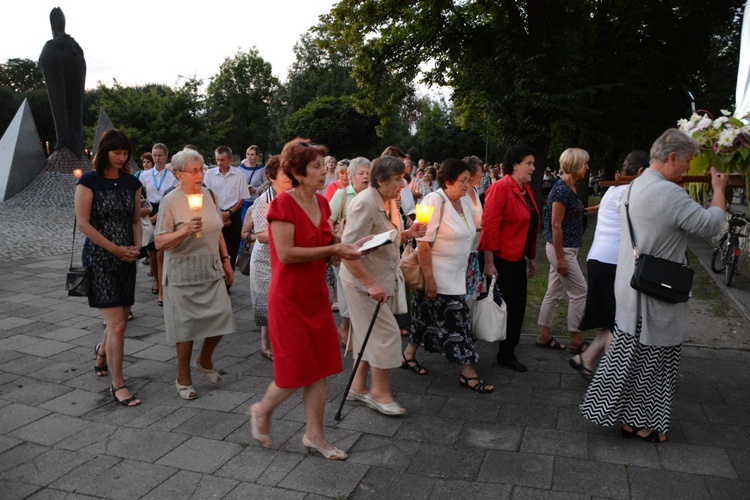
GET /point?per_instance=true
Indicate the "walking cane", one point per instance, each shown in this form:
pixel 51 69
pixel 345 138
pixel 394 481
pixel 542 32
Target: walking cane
pixel 337 417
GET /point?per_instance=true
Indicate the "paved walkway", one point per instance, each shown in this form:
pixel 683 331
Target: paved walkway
pixel 62 437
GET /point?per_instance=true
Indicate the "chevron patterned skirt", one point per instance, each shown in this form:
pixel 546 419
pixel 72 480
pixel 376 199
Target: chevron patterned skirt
pixel 634 384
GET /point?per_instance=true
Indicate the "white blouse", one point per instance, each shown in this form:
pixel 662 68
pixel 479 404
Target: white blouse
pixel 452 244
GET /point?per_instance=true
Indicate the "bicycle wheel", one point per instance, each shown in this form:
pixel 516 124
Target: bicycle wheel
pixel 731 262
pixel 718 263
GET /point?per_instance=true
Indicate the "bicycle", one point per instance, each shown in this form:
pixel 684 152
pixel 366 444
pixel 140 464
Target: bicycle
pixel 727 251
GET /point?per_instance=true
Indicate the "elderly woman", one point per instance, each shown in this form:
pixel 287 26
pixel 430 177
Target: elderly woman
pixel 601 265
pixel 302 330
pixel 441 320
pixel 359 177
pixel 374 279
pixel 563 230
pixel 330 165
pixel 635 382
pixel 107 206
pixel 341 182
pixel 473 272
pixel 197 273
pixel 509 227
pixel 147 163
pixel 260 260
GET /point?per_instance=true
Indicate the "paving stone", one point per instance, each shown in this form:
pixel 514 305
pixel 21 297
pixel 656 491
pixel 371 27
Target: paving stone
pixel 45 468
pixel 450 490
pixel 630 452
pixel 381 483
pixel 447 462
pixel 186 484
pixel 696 459
pixel 93 439
pixel 429 428
pixel 20 454
pixel 282 432
pixel 523 493
pixel 212 424
pixel 50 494
pixel 378 451
pixel 529 415
pixel 13 490
pixel 17 342
pixel 523 469
pixel 126 480
pixel 200 455
pixel 50 429
pixel 728 488
pixel 75 403
pixel 657 484
pixel 14 415
pixel 248 465
pixel 45 348
pixel 36 393
pixel 6 443
pixel 280 468
pixel 482 410
pixel 590 478
pixel 711 434
pixel 217 399
pixel 325 477
pixel 555 442
pixel 147 445
pixel 491 436
pixel 66 334
pixel 247 490
pixel 365 419
pixel 147 369
pixel 57 372
pixel 157 353
pixel 741 462
pixel 12 322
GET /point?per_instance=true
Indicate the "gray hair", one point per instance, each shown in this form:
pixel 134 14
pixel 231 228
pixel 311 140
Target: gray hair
pixel 474 163
pixel 359 161
pixel 181 159
pixel 383 168
pixel 341 166
pixel 674 141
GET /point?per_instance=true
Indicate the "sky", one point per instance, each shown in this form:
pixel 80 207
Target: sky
pixel 157 41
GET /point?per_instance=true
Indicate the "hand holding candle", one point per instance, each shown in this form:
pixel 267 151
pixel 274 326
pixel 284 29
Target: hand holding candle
pixel 424 213
pixel 195 201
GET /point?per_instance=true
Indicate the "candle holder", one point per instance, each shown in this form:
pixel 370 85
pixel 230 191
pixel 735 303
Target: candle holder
pixel 424 213
pixel 195 202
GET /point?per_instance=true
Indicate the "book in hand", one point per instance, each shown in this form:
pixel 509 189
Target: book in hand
pixel 379 240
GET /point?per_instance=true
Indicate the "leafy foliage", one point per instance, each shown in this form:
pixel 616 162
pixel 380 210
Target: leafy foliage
pixel 21 75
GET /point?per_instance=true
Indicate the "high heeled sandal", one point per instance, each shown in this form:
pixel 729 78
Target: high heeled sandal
pixel 210 374
pixel 185 391
pixel 334 454
pixel 101 371
pixel 123 402
pixel 652 437
pixel 263 439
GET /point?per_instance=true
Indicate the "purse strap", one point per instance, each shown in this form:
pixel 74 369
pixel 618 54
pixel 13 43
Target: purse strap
pixel 73 245
pixel 630 226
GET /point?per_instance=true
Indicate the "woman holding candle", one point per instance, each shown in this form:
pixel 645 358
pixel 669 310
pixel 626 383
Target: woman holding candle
pixel 300 323
pixel 509 227
pixel 107 206
pixel 441 320
pixel 374 279
pixel 197 272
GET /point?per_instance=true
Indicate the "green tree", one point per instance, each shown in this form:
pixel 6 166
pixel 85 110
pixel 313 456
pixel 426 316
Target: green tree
pixel 21 75
pixel 335 122
pixel 9 103
pixel 605 75
pixel 241 93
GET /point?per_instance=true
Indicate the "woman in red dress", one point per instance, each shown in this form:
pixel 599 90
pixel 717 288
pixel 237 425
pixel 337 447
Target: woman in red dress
pixel 302 330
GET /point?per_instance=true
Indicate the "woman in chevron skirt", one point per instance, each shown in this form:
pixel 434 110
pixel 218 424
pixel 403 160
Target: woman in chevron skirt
pixel 635 382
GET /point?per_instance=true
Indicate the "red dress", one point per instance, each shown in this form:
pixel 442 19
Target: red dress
pixel 300 323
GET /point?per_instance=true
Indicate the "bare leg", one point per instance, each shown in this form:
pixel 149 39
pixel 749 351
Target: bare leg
pixel 205 356
pixel 576 340
pixel 265 342
pixel 314 396
pixel 273 397
pixel 595 350
pixel 116 319
pixel 184 351
pixel 344 331
pixel 160 268
pixel 154 270
pixel 380 389
pixel 359 384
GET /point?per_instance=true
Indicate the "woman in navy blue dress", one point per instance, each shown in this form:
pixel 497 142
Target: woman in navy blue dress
pixel 107 203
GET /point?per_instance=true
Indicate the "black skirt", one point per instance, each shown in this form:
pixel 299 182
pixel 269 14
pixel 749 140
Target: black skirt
pixel 600 297
pixel 443 325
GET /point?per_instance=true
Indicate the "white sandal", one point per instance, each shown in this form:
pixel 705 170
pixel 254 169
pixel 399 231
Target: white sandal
pixel 210 374
pixel 185 391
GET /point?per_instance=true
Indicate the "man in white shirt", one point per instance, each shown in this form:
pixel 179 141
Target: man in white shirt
pixel 230 187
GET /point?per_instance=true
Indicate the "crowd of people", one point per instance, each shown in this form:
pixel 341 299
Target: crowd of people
pixel 309 216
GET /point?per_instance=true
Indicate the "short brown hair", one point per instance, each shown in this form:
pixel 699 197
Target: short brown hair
pixel 150 157
pixel 394 151
pixel 297 154
pixel 272 167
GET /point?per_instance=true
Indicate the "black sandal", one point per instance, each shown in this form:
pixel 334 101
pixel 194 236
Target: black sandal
pixel 627 434
pixel 551 343
pixel 578 349
pixel 653 437
pixel 587 374
pixel 480 386
pixel 413 365
pixel 101 371
pixel 123 402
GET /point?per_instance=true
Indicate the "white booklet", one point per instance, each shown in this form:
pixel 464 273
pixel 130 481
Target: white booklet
pixel 380 239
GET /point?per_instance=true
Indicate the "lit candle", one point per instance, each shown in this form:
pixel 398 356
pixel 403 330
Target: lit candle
pixel 77 173
pixel 424 213
pixel 195 202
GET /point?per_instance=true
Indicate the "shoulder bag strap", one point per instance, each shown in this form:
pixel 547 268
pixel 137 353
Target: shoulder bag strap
pixel 75 220
pixel 630 225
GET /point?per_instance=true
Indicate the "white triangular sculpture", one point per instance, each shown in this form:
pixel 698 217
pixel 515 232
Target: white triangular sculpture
pixel 102 126
pixel 21 153
pixel 742 106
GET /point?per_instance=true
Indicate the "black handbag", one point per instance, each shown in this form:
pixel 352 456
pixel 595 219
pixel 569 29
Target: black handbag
pixel 78 280
pixel 659 278
pixel 243 261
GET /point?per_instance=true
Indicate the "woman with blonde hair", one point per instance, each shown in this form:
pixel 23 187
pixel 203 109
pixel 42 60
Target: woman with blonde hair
pixel 563 230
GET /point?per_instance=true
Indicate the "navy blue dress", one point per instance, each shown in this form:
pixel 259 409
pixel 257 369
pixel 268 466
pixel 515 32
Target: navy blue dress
pixel 112 280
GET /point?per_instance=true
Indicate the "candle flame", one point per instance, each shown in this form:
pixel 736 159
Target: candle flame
pixel 424 213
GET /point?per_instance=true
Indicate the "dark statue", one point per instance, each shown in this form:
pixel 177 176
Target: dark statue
pixel 64 70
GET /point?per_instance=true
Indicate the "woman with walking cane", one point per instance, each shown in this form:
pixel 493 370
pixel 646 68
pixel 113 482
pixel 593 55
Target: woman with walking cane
pixel 374 279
